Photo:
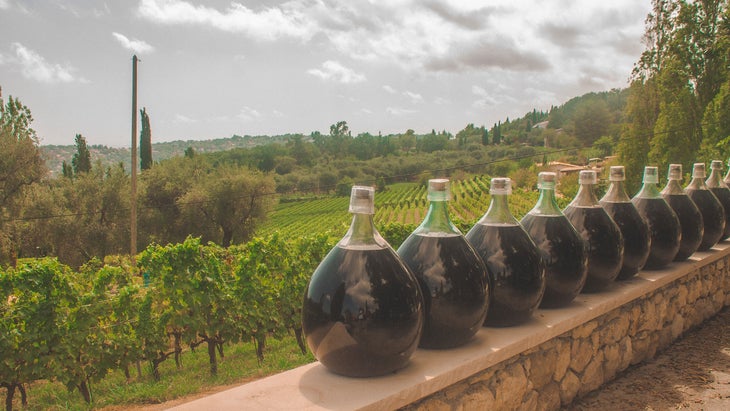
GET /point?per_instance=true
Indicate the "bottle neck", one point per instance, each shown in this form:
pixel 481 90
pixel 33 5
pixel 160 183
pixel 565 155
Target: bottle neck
pixel 649 190
pixel 437 220
pixel 715 180
pixel 498 212
pixel 673 188
pixel 362 233
pixel 616 193
pixel 546 204
pixel 585 197
pixel 697 184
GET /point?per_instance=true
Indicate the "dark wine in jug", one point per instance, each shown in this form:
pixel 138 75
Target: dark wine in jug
pixel 633 228
pixel 563 251
pixel 453 279
pixel 363 310
pixel 720 189
pixel 512 259
pixel 690 218
pixel 605 243
pixel 713 215
pixel 664 228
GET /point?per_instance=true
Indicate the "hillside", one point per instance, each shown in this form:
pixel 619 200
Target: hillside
pixel 55 155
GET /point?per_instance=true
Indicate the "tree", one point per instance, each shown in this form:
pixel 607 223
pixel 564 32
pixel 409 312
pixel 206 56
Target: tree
pixel 591 121
pixel 21 164
pixel 81 160
pixel 225 205
pixel 145 142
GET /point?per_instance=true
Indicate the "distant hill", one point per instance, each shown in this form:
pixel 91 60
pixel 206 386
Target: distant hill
pixel 55 155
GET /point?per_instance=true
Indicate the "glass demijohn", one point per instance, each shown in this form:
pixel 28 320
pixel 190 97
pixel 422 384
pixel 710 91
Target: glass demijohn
pixel 663 223
pixel 633 228
pixel 512 259
pixel 453 279
pixel 690 218
pixel 363 309
pixel 713 215
pixel 604 239
pixel 720 189
pixel 563 251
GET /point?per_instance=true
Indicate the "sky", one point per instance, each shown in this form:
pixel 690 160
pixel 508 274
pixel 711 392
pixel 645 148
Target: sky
pixel 214 68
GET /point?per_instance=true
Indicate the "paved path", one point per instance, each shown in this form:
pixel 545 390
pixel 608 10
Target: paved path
pixel 692 374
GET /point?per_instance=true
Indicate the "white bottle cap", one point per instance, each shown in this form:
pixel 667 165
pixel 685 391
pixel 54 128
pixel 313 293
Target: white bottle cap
pixel 546 179
pixel 698 170
pixel 617 173
pixel 716 165
pixel 651 175
pixel 438 189
pixel 500 186
pixel 362 200
pixel 675 172
pixel 587 177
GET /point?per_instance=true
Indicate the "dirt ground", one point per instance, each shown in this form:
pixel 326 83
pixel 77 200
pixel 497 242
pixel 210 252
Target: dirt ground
pixel 692 374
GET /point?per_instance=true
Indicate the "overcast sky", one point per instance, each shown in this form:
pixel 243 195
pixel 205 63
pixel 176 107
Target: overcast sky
pixel 214 68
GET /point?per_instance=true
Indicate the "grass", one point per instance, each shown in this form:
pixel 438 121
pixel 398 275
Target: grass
pixel 239 366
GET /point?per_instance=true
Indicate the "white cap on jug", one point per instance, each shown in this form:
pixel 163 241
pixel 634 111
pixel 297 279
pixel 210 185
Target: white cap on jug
pixel 438 189
pixel 698 170
pixel 651 175
pixel 617 173
pixel 500 186
pixel 362 200
pixel 587 177
pixel 675 172
pixel 546 179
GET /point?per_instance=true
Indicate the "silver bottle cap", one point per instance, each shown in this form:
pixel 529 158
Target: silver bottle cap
pixel 587 177
pixel 618 173
pixel 500 185
pixel 362 200
pixel 716 165
pixel 651 175
pixel 546 179
pixel 675 172
pixel 698 170
pixel 438 189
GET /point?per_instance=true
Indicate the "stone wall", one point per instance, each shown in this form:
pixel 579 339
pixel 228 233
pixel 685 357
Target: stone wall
pixel 578 361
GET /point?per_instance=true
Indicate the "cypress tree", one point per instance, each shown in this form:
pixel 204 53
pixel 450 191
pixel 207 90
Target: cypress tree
pixel 81 160
pixel 145 142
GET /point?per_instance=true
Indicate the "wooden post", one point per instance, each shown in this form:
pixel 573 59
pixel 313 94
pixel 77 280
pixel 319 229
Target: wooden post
pixel 133 213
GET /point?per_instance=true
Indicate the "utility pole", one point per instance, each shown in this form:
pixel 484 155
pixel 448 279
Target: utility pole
pixel 133 213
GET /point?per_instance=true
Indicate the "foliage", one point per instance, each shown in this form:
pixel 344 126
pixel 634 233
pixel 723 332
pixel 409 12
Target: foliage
pixel 81 161
pixel 145 142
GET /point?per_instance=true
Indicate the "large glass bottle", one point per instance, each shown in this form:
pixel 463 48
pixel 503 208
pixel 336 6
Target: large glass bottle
pixel 690 218
pixel 363 309
pixel 605 243
pixel 713 215
pixel 453 279
pixel 513 261
pixel 720 189
pixel 562 249
pixel 663 223
pixel 633 228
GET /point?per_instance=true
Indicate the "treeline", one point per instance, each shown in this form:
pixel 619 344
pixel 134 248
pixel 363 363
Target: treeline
pixel 678 108
pixel 76 326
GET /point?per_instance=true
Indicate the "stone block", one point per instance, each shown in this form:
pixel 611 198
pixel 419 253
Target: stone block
pixel 592 377
pixel 549 397
pixel 585 330
pixel 542 367
pixel 626 351
pixel 615 330
pixel 640 347
pixel 569 387
pixel 509 387
pixel 530 401
pixel 482 400
pixel 581 353
pixel 612 357
pixel 677 327
pixel 563 361
pixel 434 404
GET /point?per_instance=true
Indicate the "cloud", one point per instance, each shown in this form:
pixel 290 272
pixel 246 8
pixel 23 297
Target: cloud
pixel 248 114
pixel 179 118
pixel 497 54
pixel 472 20
pixel 35 67
pixel 333 70
pixel 286 20
pixel 414 97
pixel 400 111
pixel 389 89
pixel 137 46
pixel 4 4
